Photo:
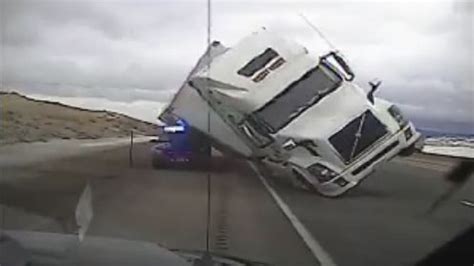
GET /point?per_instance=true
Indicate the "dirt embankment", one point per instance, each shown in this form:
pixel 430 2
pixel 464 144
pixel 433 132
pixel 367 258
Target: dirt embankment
pixel 25 119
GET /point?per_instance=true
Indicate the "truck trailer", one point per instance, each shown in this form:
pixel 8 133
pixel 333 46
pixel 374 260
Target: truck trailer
pixel 268 99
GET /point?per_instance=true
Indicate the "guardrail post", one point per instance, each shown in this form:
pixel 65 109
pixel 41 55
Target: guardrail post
pixel 130 151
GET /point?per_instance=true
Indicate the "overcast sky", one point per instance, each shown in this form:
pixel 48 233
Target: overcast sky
pixel 132 56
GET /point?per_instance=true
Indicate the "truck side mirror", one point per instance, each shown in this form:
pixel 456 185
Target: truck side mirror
pixel 373 87
pixel 337 61
pixel 344 65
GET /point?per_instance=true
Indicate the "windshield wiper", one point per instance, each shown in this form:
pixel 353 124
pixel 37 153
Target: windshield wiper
pixel 358 135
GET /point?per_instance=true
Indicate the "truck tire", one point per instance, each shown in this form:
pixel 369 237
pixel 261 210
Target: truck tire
pixel 408 151
pixel 302 180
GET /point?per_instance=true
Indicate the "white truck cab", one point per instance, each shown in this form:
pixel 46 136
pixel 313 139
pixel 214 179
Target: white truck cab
pixel 302 111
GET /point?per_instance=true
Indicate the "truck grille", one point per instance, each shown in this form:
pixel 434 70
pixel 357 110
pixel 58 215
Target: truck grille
pixel 375 158
pixel 346 142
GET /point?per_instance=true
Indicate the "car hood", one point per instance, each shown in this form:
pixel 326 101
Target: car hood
pixel 40 248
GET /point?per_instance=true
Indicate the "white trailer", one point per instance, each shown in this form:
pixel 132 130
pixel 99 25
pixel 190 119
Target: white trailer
pixel 189 106
pixel 272 100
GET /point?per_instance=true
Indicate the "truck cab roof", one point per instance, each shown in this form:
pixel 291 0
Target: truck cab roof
pixel 256 69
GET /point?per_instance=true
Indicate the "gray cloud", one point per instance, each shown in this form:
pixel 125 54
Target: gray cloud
pixel 112 47
pixel 142 50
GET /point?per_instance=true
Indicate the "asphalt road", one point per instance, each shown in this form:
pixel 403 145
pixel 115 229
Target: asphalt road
pixel 381 222
pixel 166 206
pixel 385 220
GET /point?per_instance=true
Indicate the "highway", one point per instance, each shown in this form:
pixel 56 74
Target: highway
pixel 381 222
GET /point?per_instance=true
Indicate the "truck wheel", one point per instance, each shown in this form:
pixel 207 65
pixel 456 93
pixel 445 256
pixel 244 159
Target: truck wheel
pixel 408 150
pixel 302 180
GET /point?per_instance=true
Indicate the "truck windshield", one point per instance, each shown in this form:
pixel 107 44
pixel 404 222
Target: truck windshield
pixel 300 95
pixel 256 133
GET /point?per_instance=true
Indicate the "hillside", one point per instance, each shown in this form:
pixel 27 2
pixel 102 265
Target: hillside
pixel 26 120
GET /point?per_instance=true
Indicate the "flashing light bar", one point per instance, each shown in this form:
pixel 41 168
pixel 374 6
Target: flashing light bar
pixel 173 129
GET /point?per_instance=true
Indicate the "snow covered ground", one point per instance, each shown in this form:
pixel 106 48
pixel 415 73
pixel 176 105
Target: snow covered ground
pixel 450 146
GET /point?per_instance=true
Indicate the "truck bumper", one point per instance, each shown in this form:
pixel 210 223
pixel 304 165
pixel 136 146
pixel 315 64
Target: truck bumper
pixel 357 171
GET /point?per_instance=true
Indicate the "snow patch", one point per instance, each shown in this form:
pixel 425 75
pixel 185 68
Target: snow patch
pixel 450 146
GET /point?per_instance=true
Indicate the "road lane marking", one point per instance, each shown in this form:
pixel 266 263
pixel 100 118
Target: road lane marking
pixel 427 161
pixel 428 166
pixel 424 165
pixel 467 203
pixel 316 249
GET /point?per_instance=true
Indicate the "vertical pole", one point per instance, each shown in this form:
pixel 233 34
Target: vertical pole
pixel 208 228
pixel 4 214
pixel 130 151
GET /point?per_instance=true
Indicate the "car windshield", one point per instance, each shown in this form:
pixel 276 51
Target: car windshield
pixel 300 95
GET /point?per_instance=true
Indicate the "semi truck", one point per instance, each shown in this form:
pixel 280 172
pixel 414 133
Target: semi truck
pixel 268 99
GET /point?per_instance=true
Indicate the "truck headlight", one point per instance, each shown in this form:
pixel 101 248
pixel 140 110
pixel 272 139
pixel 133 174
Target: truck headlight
pixel 398 116
pixel 408 133
pixel 341 182
pixel 321 172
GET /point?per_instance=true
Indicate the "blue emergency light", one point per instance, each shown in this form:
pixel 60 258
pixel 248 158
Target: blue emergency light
pixel 173 129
